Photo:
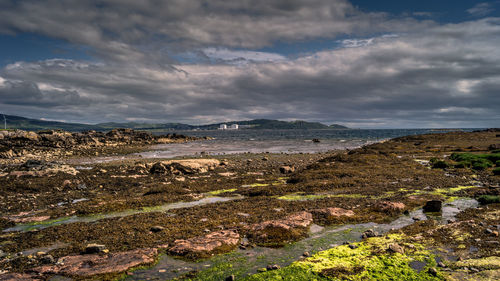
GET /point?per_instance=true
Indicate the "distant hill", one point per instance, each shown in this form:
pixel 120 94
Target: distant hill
pixel 17 122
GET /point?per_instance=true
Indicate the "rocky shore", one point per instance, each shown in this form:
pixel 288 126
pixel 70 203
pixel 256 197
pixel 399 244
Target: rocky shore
pixel 103 221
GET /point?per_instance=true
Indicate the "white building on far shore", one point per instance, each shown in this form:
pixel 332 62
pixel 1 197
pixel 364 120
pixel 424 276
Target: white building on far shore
pixel 231 127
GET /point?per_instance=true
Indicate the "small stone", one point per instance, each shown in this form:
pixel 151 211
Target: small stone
pixel 94 248
pixel 306 254
pixel 441 264
pixel 230 278
pixel 432 271
pixel 272 267
pixel 157 228
pixel 369 233
pixel 473 269
pixel 395 248
pixel 352 246
pixel 48 259
pixel 265 159
pixel 488 231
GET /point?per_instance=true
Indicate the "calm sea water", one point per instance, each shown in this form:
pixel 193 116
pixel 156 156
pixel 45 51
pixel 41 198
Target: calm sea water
pixel 277 141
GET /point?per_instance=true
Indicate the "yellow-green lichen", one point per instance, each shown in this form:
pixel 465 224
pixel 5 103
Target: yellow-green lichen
pixel 370 260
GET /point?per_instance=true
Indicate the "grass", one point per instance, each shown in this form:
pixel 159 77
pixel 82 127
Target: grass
pixel 477 162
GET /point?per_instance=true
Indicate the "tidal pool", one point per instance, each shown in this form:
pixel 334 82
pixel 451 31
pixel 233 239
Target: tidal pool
pixel 241 263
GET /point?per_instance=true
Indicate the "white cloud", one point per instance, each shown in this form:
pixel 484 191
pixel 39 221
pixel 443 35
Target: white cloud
pixel 481 9
pixel 236 55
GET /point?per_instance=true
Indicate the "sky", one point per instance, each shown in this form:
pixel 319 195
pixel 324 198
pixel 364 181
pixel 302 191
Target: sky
pixel 359 63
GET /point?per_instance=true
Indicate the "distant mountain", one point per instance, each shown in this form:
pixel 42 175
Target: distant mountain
pixel 17 122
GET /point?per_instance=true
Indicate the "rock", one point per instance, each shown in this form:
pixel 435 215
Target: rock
pixel 369 233
pixel 7 154
pixel 306 254
pixel 433 206
pixel 316 140
pixel 494 146
pixel 157 228
pixel 272 267
pixel 17 277
pixel 230 278
pixel 265 159
pixel 432 271
pixel 390 207
pixel 89 265
pixel 204 246
pixel 290 228
pixel 395 248
pixel 187 166
pixel 94 248
pixel 330 213
pixel 352 246
pixel 441 264
pixel 287 169
pixel 48 259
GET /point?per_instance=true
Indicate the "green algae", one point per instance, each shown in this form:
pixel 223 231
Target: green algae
pixel 255 185
pixel 304 197
pixel 492 262
pixel 220 191
pixel 370 260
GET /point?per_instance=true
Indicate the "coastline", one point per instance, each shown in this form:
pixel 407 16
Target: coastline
pixel 376 183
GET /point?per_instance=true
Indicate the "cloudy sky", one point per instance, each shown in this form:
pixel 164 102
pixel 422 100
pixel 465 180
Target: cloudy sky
pixel 360 63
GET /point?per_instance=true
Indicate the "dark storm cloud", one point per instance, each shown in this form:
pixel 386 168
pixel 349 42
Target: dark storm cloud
pixel 137 31
pixel 428 75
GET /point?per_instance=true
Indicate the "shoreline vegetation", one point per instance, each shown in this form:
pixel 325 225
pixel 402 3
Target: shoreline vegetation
pixel 437 195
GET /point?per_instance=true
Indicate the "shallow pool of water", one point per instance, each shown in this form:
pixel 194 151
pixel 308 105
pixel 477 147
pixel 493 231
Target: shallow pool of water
pixel 248 261
pixel 93 218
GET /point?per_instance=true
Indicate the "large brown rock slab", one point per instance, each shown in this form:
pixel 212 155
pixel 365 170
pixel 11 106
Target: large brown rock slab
pixel 279 232
pixel 390 207
pixel 89 265
pixel 330 214
pixel 204 246
pixel 17 277
pixel 185 166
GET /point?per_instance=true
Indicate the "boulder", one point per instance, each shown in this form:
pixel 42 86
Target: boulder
pixel 287 169
pixel 288 229
pixel 390 207
pixel 329 214
pixel 433 206
pixel 205 246
pixel 89 265
pixel 187 166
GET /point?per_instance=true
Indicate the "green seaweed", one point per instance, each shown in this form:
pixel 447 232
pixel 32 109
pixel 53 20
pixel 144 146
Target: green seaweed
pixel 220 191
pixel 369 261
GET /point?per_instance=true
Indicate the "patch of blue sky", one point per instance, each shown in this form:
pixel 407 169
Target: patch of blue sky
pixel 34 47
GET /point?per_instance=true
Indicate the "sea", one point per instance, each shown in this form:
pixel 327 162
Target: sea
pixel 278 141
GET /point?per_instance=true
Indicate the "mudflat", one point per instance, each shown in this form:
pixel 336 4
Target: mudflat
pixel 65 216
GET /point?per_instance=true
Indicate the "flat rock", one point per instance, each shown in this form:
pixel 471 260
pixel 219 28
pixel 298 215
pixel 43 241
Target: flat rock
pixel 207 245
pixel 186 166
pixel 390 207
pixel 17 277
pixel 287 229
pixel 89 265
pixel 331 213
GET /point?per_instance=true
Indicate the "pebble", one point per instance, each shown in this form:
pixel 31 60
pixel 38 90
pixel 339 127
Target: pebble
pixel 230 278
pixel 157 228
pixel 352 246
pixel 273 267
pixel 432 271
